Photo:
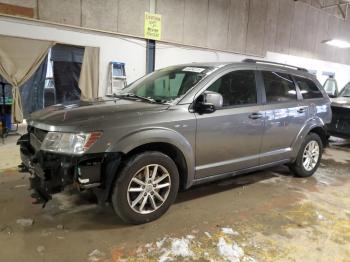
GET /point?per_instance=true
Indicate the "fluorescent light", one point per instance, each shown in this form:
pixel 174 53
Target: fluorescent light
pixel 337 43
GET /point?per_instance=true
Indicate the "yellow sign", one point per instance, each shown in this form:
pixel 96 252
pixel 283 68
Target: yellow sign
pixel 153 26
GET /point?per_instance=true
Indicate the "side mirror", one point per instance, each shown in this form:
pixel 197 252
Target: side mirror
pixel 208 102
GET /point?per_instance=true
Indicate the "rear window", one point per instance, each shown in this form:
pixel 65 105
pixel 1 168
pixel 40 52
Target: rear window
pixel 308 88
pixel 279 87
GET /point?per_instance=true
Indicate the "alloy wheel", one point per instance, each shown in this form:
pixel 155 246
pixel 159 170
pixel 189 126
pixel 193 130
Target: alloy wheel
pixel 149 189
pixel 311 155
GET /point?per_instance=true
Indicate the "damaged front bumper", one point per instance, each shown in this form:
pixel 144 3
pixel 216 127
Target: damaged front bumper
pixel 51 172
pixel 340 125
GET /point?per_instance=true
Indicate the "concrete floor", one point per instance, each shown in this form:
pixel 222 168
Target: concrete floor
pixel 264 216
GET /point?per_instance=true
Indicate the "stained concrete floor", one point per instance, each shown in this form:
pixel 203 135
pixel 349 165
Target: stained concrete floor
pixel 264 216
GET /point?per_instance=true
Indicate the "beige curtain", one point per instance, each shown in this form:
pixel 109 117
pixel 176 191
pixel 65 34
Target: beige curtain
pixel 89 74
pixel 19 59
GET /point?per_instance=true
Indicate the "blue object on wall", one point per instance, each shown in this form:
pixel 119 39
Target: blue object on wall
pixel 7 120
pixel 118 69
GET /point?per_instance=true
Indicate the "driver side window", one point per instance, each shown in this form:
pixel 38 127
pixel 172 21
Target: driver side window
pixel 236 88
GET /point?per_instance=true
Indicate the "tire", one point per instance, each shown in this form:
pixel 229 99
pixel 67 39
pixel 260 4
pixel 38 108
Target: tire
pixel 298 167
pixel 128 197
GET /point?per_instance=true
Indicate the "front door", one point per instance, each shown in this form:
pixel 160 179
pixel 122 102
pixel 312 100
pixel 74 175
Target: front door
pixel 229 139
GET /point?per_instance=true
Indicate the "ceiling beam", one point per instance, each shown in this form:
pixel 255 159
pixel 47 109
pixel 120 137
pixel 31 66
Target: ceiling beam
pixel 340 4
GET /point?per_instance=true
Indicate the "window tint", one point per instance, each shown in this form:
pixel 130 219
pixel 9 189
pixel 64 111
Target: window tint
pixel 308 88
pixel 236 88
pixel 279 87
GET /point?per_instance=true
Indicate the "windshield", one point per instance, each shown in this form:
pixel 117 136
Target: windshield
pixel 346 90
pixel 167 84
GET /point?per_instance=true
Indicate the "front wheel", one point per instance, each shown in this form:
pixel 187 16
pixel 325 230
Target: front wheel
pixel 309 157
pixel 146 187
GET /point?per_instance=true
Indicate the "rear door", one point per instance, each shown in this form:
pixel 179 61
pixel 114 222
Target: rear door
pixel 230 138
pixel 284 116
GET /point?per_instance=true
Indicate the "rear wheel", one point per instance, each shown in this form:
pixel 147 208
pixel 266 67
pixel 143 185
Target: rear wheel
pixel 309 157
pixel 147 186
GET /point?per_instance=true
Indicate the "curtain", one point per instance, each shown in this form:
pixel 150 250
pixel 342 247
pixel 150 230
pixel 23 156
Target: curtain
pixel 19 59
pixel 89 75
pixel 32 91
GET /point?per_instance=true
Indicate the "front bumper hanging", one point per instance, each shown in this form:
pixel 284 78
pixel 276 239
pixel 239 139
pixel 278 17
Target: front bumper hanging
pixel 51 173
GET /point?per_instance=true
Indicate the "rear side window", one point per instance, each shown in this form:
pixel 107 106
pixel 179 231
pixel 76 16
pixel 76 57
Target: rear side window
pixel 308 88
pixel 236 88
pixel 279 87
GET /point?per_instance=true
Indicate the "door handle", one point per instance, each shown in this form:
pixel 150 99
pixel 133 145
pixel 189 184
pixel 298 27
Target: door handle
pixel 255 116
pixel 301 110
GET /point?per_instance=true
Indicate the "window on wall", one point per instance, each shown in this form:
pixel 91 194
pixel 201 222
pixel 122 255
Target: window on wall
pixel 279 87
pixel 308 88
pixel 236 88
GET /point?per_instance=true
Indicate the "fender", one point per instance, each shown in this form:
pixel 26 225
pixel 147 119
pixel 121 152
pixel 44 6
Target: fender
pixel 158 135
pixel 308 126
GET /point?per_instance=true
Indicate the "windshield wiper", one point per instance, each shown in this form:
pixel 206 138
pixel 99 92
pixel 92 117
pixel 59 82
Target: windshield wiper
pixel 134 96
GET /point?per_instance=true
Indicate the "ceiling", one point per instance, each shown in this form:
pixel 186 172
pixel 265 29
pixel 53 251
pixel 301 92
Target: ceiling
pixel 339 8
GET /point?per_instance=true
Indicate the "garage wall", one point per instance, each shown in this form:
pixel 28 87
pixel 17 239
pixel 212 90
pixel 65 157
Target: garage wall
pixel 342 72
pixel 112 48
pixel 193 31
pixel 250 27
pixel 167 55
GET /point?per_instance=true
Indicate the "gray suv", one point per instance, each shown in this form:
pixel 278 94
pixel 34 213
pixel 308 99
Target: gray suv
pixel 178 127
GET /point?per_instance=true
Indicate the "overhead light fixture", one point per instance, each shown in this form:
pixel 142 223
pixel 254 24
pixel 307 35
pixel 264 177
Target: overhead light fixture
pixel 337 43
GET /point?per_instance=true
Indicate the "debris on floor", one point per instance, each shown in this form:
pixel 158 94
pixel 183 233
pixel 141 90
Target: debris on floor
pixel 6 228
pixel 46 233
pixel 40 250
pixel 96 255
pixel 25 222
pixel 229 231
pixel 229 251
pixel 320 216
pixel 20 186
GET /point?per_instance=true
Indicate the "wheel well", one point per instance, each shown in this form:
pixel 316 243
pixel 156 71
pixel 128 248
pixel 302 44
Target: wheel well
pixel 321 133
pixel 168 149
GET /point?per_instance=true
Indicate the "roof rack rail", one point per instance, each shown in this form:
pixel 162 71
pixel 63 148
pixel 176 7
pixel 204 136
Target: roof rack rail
pixel 248 60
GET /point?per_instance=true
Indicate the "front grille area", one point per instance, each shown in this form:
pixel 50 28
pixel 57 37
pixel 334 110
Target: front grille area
pixel 340 113
pixel 340 121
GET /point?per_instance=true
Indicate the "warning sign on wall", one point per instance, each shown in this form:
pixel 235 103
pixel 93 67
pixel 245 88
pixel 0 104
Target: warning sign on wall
pixel 153 26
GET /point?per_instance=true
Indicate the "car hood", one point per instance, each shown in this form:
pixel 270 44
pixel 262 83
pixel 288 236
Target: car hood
pixel 341 102
pixel 90 114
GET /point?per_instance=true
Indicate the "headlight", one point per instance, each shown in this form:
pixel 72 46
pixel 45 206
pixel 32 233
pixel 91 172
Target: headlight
pixel 69 143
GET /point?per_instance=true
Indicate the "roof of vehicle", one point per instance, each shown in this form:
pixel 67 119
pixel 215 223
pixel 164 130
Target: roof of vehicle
pixel 271 65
